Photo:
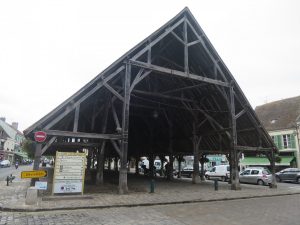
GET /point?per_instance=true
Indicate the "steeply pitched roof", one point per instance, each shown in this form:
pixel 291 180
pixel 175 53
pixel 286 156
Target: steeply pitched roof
pixel 279 115
pixel 177 73
pixel 11 132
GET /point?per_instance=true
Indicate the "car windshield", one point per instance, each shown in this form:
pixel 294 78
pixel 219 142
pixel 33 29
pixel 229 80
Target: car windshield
pixel 266 172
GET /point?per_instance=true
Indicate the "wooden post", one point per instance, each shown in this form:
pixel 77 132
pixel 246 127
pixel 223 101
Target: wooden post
pixel 171 167
pixel 179 166
pixel 273 184
pixel 235 183
pixel 100 164
pixel 137 161
pixel 37 159
pixel 202 168
pixel 151 165
pixel 109 163
pixel 196 142
pixel 162 161
pixel 116 164
pixel 100 159
pixel 123 188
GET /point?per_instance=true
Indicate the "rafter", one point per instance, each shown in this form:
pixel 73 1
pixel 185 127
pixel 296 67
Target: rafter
pixel 164 70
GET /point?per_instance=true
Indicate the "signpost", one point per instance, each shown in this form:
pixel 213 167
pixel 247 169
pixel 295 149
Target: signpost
pixel 34 174
pixel 69 172
pixel 40 136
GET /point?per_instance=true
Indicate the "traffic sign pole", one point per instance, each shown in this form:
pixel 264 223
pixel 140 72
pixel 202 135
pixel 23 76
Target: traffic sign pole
pixel 37 158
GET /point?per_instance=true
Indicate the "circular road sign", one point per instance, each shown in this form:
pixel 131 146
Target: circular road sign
pixel 40 136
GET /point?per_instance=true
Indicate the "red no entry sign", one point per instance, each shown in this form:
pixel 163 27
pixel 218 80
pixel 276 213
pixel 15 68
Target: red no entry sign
pixel 40 136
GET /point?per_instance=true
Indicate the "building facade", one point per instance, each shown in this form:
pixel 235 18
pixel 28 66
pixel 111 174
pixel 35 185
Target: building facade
pixel 282 121
pixel 10 142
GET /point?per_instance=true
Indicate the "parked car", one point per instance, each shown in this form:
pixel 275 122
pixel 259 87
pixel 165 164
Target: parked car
pixel 256 175
pixel 221 172
pixel 289 174
pixel 5 163
pixel 188 171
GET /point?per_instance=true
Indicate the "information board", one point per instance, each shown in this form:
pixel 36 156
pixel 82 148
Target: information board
pixel 69 172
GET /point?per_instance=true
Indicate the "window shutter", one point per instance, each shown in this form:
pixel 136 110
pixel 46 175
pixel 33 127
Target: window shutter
pixel 293 144
pixel 279 141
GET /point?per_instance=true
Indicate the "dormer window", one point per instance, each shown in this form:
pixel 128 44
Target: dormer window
pixel 273 121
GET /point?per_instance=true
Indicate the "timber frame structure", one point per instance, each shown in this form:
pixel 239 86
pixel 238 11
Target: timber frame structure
pixel 170 95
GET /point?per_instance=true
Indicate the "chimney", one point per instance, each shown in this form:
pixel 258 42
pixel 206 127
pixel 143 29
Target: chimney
pixel 3 119
pixel 15 125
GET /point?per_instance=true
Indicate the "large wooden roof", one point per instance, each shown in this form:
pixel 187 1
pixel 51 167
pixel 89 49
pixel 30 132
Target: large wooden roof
pixel 180 87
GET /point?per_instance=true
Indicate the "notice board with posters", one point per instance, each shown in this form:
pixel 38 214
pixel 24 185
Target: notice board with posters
pixel 69 172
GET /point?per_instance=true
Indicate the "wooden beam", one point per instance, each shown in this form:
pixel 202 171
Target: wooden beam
pixel 186 49
pixel 178 73
pixel 113 91
pixel 48 144
pixel 83 98
pixel 159 38
pixel 116 147
pixel 178 38
pixel 193 43
pixel 240 114
pixel 200 38
pixel 123 188
pixel 116 119
pixel 183 88
pixel 138 79
pixel 76 118
pixel 60 133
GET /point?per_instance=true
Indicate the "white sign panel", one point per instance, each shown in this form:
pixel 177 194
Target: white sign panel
pixel 69 172
pixel 68 186
pixel 40 185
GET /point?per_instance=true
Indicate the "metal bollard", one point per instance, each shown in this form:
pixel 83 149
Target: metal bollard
pixel 9 179
pixel 152 184
pixel 216 184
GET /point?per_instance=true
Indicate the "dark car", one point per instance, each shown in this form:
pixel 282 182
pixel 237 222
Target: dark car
pixel 188 171
pixel 289 174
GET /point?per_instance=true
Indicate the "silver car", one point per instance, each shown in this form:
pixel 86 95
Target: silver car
pixel 256 175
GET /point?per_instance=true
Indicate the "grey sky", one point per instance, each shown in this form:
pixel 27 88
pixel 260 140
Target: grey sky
pixel 50 49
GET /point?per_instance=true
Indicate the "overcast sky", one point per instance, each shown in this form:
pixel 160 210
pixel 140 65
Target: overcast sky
pixel 50 49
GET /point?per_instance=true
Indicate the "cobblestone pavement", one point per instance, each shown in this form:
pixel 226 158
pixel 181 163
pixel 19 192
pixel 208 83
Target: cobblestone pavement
pixel 276 210
pixel 177 191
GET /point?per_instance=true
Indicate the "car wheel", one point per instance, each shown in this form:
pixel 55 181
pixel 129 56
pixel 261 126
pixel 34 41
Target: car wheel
pixel 223 179
pixel 298 180
pixel 260 182
pixel 208 177
pixel 278 179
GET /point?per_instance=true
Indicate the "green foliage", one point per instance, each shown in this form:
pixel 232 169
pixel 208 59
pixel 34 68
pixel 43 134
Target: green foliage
pixel 29 147
pixel 277 159
pixel 204 160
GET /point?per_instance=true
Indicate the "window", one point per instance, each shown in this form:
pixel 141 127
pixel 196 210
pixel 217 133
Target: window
pixel 246 172
pixel 254 172
pixel 286 141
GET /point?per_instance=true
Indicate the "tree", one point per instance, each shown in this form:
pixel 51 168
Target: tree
pixel 29 147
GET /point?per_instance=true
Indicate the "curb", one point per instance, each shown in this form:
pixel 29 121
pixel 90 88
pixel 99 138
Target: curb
pixel 8 209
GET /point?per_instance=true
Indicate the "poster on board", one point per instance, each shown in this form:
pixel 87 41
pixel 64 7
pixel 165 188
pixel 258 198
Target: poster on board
pixel 69 172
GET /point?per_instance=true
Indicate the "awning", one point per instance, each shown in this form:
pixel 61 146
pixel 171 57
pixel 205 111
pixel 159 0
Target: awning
pixel 21 154
pixel 264 161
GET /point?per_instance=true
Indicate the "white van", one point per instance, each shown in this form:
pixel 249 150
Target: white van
pixel 221 172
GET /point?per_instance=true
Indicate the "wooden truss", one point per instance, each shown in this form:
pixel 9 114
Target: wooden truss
pixel 175 72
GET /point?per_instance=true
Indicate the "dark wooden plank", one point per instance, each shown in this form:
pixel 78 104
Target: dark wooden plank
pixel 76 118
pixel 60 133
pixel 164 70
